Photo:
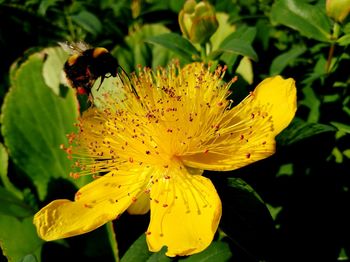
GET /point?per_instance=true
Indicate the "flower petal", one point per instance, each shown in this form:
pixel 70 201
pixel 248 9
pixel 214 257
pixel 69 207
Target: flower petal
pixel 95 204
pixel 141 206
pixel 185 213
pixel 247 132
pixel 281 95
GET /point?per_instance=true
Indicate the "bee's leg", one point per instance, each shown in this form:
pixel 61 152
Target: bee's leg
pixel 102 78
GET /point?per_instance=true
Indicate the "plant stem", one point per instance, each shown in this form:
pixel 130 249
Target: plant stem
pixel 334 37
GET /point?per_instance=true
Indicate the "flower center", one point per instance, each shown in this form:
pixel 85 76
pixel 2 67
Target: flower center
pixel 173 114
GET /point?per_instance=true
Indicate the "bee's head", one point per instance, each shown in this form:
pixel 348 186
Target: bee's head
pixel 108 63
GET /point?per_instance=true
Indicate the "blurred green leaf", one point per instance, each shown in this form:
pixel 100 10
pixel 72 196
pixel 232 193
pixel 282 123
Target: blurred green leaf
pixel 88 21
pixel 347 153
pixel 341 127
pixel 299 130
pixel 309 20
pixel 12 206
pixel 312 102
pixel 285 169
pixel 29 258
pixel 338 156
pixel 18 238
pixel 4 158
pixel 245 70
pixel 317 73
pixel 284 59
pixel 343 255
pixel 274 211
pixel 35 127
pixel 136 52
pixel 53 67
pixel 44 5
pixel 177 44
pixel 344 40
pixel 224 30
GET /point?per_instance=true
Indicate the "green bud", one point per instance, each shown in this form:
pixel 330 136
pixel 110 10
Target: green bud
pixel 198 21
pixel 338 9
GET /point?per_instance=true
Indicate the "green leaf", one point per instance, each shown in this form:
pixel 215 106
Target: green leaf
pixel 299 130
pixel 245 70
pixel 4 158
pixel 159 256
pixel 88 21
pixel 246 33
pixel 217 251
pixel 309 20
pixel 53 67
pixel 138 251
pixel 240 47
pixel 344 40
pixel 177 44
pixel 13 206
pixel 246 220
pixel 44 5
pixel 312 102
pixel 285 59
pixel 342 127
pixel 35 124
pixel 236 43
pixel 136 52
pixel 29 258
pixel 318 73
pixel 241 185
pixel 224 30
pixel 18 238
pixel 285 170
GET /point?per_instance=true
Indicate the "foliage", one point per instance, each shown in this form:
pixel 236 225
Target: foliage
pixel 290 207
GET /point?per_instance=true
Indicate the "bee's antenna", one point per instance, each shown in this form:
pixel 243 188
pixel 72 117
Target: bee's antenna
pixel 133 88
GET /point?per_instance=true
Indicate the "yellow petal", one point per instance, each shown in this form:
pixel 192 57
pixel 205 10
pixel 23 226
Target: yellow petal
pixel 185 212
pixel 247 132
pixel 280 95
pixel 140 206
pixel 95 204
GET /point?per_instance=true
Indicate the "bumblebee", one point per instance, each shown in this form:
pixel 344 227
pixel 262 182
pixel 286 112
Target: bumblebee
pixel 86 64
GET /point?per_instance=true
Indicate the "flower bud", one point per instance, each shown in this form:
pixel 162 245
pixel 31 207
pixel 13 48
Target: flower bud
pixel 197 21
pixel 338 9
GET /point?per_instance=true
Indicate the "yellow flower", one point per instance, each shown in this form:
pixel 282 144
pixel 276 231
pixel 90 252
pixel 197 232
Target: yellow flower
pixel 154 146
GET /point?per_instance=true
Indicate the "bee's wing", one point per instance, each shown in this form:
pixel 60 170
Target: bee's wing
pixel 74 47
